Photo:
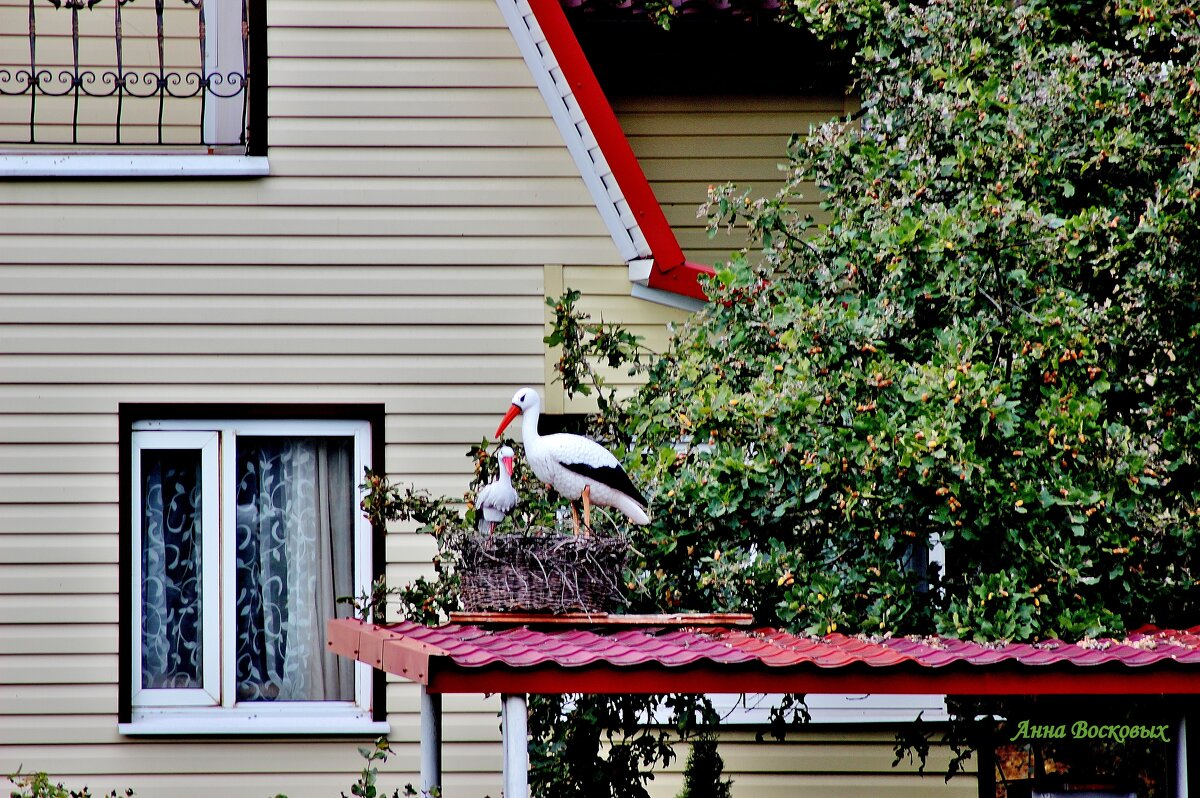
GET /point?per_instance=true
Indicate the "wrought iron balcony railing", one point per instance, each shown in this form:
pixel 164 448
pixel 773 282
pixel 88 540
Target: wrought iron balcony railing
pixel 84 75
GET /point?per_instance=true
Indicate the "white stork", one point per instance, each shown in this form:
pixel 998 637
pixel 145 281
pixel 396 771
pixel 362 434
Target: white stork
pixel 575 466
pixel 497 498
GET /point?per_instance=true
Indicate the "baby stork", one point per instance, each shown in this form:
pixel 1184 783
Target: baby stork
pixel 497 498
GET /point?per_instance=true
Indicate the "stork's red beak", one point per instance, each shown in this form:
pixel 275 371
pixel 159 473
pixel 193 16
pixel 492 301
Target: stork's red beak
pixel 508 464
pixel 512 413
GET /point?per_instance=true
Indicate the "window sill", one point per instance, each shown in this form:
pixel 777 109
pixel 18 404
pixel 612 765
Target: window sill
pixel 233 722
pixel 70 165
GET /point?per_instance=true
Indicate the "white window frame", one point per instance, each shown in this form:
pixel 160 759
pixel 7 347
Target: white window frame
pixel 222 55
pixel 71 165
pixel 213 708
pixel 209 692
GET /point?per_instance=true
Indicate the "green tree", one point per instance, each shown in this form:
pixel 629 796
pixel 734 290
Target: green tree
pixel 702 776
pixel 991 342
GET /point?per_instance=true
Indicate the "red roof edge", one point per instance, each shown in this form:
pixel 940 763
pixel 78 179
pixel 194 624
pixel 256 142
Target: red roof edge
pixel 670 272
pixel 681 279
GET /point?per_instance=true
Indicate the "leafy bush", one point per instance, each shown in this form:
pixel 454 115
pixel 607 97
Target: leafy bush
pixel 39 785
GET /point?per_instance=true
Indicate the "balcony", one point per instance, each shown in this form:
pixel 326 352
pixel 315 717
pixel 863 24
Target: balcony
pixel 102 76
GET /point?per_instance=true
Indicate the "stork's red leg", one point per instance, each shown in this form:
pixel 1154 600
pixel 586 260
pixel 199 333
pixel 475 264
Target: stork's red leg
pixel 574 517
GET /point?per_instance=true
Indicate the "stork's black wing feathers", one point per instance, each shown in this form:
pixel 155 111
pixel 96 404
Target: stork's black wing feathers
pixel 613 476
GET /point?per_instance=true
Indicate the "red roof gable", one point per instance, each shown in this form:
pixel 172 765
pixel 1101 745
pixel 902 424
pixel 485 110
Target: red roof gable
pixel 467 658
pixel 670 270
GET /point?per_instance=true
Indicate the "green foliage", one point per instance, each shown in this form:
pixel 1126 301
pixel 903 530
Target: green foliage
pixel 367 783
pixel 585 344
pixel 963 736
pixel 370 606
pixel 789 713
pixel 703 771
pixel 606 746
pixel 847 24
pixel 38 785
pixel 425 600
pixel 991 343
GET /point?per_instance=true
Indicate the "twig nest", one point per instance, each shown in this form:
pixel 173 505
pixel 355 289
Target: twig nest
pixel 550 572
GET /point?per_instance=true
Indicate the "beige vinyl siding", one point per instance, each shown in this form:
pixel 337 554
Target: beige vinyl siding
pixel 833 762
pixel 686 144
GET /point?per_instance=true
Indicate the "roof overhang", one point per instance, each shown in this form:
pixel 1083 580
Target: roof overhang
pixel 458 658
pixel 602 153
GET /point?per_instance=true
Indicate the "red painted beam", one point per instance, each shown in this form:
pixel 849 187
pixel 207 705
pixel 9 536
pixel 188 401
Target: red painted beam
pixel 446 678
pixel 671 272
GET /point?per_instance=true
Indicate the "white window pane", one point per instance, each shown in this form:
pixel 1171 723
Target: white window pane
pixel 171 612
pixel 295 520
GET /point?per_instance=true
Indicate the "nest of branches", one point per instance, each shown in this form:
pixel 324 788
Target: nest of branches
pixel 551 572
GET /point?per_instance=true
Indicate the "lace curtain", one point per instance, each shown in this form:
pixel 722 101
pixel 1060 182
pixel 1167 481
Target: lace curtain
pixel 294 556
pixel 295 514
pixel 171 619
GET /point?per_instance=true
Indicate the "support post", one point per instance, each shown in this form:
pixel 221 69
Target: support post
pixel 1181 759
pixel 431 740
pixel 515 729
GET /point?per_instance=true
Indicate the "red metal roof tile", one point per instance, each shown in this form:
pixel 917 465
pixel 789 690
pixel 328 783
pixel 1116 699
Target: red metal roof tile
pixel 770 651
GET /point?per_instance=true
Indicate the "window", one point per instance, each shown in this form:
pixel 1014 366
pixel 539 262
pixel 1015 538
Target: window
pixel 241 535
pixel 173 77
pixel 755 709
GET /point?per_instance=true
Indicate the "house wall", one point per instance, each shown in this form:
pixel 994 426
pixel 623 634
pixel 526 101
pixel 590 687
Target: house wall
pixel 397 254
pixel 605 299
pixel 686 144
pixel 826 762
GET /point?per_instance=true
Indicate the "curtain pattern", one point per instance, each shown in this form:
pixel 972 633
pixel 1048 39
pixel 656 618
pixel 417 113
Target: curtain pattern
pixel 295 516
pixel 171 595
